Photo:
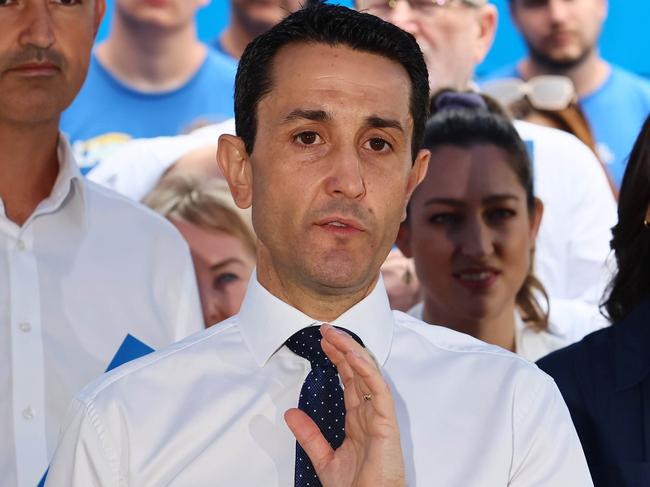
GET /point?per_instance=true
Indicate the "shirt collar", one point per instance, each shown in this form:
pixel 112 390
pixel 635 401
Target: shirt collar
pixel 631 345
pixel 267 322
pixel 69 183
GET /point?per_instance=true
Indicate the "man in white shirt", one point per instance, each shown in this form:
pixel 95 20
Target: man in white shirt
pixel 80 267
pixel 330 110
pixel 579 210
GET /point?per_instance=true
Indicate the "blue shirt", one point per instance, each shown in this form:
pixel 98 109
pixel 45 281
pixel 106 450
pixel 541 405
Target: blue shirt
pixel 107 112
pixel 616 111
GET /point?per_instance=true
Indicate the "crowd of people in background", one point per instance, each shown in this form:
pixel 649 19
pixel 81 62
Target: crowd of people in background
pixel 136 208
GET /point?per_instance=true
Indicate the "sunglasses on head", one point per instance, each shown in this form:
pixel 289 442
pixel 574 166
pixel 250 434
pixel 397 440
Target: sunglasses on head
pixel 546 92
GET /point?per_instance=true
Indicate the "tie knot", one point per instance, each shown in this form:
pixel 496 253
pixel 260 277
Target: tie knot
pixel 306 343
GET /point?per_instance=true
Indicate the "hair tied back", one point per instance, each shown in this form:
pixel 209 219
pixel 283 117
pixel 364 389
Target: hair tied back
pixel 453 101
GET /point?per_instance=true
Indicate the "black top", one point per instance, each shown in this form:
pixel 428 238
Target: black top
pixel 605 381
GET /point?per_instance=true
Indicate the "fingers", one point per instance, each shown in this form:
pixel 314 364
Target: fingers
pixel 309 437
pixel 355 365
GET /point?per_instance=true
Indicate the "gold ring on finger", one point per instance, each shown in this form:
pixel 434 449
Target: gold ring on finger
pixel 367 397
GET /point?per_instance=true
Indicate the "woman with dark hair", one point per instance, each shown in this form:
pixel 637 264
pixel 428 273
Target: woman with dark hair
pixel 471 229
pixel 605 378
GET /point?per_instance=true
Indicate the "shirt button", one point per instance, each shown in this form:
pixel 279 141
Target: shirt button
pixel 25 327
pixel 29 413
pixel 20 245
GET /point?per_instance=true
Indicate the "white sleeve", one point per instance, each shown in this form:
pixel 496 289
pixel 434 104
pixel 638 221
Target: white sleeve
pixel 189 315
pixel 135 167
pixel 175 286
pixel 547 450
pixel 83 457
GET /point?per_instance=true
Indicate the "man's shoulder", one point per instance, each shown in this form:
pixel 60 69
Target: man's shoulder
pixel 460 348
pixel 625 80
pixel 107 207
pixel 165 368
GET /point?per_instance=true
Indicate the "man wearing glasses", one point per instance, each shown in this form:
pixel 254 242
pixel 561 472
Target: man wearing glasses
pixel 562 38
pixel 579 209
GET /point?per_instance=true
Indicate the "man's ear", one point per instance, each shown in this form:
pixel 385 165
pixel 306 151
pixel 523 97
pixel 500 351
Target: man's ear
pixel 100 10
pixel 417 173
pixel 647 215
pixel 403 241
pixel 487 26
pixel 236 168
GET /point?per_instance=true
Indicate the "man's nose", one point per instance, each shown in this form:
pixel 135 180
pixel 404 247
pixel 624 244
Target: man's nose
pixel 557 10
pixel 346 175
pixel 38 24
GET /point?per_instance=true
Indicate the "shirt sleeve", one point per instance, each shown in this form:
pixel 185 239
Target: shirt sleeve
pixel 547 450
pixel 189 315
pixel 83 457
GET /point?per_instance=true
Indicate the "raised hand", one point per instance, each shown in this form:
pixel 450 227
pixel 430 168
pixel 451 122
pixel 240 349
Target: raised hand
pixel 371 454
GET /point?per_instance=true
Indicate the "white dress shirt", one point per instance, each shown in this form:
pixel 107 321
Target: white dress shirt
pixel 209 409
pixel 572 247
pixel 529 343
pixel 86 269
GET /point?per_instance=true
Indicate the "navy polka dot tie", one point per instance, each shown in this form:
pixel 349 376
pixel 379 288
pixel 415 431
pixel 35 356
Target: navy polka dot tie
pixel 321 397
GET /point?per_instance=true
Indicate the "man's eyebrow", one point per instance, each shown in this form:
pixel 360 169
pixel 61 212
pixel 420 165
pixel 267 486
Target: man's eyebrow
pixel 383 123
pixel 314 115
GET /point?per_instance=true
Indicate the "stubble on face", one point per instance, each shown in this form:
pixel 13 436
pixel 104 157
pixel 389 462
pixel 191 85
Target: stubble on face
pixel 297 188
pixel 38 81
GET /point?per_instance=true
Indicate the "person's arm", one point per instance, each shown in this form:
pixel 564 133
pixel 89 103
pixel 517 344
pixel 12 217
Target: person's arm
pixel 371 454
pixel 547 450
pixel 83 457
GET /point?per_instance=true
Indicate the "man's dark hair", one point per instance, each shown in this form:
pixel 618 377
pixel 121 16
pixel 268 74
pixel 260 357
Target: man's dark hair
pixel 332 25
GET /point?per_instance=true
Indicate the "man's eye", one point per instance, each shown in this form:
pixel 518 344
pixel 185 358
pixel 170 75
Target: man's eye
pixel 308 138
pixel 378 144
pixel 4 3
pixel 68 2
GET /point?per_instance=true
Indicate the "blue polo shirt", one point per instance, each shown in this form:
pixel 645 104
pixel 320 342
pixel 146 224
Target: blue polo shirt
pixel 107 112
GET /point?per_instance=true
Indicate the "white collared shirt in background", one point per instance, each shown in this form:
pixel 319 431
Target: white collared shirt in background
pixel 86 269
pixel 530 344
pixel 209 410
pixel 572 247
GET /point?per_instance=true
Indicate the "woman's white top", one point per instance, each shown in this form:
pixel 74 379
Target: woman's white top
pixel 531 344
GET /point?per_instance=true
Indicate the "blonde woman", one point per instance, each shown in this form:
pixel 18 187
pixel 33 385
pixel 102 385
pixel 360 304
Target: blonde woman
pixel 220 236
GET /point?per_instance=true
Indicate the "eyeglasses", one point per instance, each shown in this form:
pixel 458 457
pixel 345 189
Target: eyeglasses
pixel 546 92
pixel 380 7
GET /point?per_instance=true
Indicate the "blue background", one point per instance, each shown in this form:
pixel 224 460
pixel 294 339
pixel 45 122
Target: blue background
pixel 625 38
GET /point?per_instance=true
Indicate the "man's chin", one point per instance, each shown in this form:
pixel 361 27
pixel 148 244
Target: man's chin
pixel 339 277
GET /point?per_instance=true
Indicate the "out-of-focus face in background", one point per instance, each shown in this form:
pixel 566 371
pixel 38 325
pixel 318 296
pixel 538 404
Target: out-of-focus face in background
pixel 44 54
pixel 258 16
pixel 223 265
pixel 471 234
pixel 559 33
pixel 454 35
pixel 167 14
